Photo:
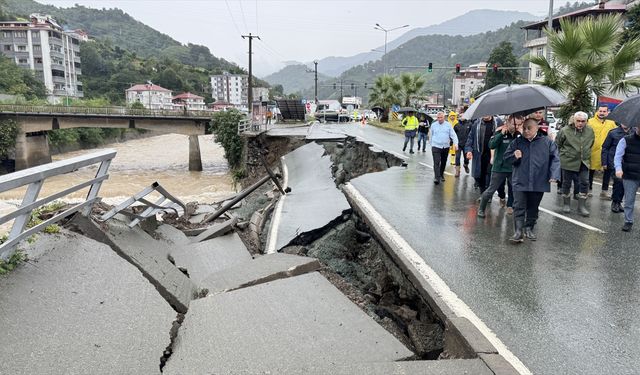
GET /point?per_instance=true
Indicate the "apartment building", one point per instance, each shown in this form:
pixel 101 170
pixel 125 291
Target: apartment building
pixel 52 53
pixel 150 96
pixel 231 88
pixel 467 82
pixel 189 101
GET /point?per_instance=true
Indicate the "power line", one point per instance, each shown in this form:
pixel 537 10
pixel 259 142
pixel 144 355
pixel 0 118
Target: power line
pixel 232 19
pixel 257 30
pixel 244 20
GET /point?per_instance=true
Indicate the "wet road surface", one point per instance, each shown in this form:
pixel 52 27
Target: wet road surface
pixel 563 304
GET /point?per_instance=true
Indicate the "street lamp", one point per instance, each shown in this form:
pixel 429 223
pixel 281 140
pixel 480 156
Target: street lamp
pixel 386 31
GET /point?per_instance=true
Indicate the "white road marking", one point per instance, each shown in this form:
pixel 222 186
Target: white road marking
pixel 576 222
pixel 431 166
pixel 277 214
pixel 430 276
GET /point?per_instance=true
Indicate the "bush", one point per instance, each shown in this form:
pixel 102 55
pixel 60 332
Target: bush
pixel 225 128
pixel 9 129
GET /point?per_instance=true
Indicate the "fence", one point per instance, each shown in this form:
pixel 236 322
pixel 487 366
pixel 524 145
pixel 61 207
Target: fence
pixel 34 178
pixel 101 111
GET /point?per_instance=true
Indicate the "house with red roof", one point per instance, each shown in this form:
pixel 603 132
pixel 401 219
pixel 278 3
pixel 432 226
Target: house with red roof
pixel 191 102
pixel 150 95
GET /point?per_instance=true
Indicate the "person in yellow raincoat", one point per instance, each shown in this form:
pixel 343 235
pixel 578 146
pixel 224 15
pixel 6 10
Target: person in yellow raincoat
pixel 601 127
pixel 453 120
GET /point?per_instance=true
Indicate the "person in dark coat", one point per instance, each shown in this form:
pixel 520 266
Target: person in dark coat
pixel 462 131
pixel 627 167
pixel 477 149
pixel 608 154
pixel 536 164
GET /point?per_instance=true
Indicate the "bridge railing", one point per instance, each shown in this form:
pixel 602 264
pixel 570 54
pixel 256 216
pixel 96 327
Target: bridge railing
pixel 34 178
pixel 106 111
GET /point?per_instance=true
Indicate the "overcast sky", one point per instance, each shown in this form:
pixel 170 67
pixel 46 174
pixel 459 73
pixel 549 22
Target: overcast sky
pixel 299 30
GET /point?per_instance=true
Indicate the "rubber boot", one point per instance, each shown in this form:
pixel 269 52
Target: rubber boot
pixel 566 207
pixel 528 232
pixel 518 235
pixel 582 205
pixel 483 206
pixel 457 171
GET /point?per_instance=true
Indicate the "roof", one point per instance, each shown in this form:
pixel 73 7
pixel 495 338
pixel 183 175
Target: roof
pixel 187 95
pixel 147 87
pixel 591 11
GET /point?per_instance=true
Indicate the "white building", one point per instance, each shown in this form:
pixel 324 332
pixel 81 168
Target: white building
pixel 43 46
pixel 231 88
pixel 467 82
pixel 260 94
pixel 150 95
pixel 189 101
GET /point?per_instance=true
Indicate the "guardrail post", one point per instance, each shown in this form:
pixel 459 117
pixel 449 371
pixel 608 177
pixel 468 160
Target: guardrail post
pixel 21 221
pixel 95 188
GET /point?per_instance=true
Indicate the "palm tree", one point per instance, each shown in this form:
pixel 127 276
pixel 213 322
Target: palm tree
pixel 589 58
pixel 411 85
pixel 385 93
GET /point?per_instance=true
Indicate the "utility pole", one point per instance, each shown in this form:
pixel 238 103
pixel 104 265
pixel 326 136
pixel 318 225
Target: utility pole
pixel 549 28
pixel 316 81
pixel 250 93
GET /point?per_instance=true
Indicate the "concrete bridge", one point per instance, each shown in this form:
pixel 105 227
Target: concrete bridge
pixel 32 148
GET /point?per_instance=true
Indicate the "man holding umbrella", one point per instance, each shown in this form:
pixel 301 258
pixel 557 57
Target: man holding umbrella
pixel 627 164
pixel 536 164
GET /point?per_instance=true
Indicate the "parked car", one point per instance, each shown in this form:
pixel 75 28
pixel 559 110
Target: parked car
pixel 553 123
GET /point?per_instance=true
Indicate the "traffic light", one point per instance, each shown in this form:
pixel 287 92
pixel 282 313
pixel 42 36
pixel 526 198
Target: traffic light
pixel 365 85
pixel 457 68
pixel 495 68
pixel 430 68
pixel 352 86
pixel 334 86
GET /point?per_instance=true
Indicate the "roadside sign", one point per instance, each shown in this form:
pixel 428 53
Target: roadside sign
pixel 304 101
pixel 395 108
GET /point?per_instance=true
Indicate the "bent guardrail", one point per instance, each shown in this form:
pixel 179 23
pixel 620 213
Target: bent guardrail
pixel 101 111
pixel 34 178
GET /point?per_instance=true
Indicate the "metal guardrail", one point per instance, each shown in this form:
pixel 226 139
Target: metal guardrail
pixel 34 179
pixel 101 111
pixel 247 125
pixel 165 203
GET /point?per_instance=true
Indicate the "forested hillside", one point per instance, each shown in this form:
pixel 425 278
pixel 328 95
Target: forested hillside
pixel 294 78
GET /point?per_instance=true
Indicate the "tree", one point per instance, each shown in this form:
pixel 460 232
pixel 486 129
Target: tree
pixel 503 56
pixel 225 128
pixel 9 129
pixel 410 86
pixel 384 94
pixel 589 59
pixel 632 30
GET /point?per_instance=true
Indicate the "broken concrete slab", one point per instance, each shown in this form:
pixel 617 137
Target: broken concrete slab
pixel 444 367
pixel 172 235
pixel 216 230
pixel 79 308
pixel 318 132
pixel 314 201
pixel 257 271
pixel 284 324
pixel 205 209
pixel 148 255
pixel 202 259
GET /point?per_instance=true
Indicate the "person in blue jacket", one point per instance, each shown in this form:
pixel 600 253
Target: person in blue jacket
pixel 608 154
pixel 536 164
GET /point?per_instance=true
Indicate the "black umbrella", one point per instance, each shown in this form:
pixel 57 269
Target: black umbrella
pixel 513 99
pixel 426 116
pixel 627 112
pixel 494 88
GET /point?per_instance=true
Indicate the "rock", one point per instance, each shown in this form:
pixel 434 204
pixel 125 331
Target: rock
pixel 428 339
pixel 405 312
pixel 362 237
pixel 242 225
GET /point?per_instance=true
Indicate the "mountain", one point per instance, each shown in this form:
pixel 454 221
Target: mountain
pixel 125 32
pixel 441 50
pixel 470 23
pixel 294 78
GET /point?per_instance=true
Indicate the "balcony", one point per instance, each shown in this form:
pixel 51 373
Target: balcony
pixel 535 42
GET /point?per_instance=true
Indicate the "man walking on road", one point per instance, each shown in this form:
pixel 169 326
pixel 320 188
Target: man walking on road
pixel 608 155
pixel 477 149
pixel 535 165
pixel 423 131
pixel 442 135
pixel 601 127
pixel 574 145
pixel 627 164
pixel 501 170
pixel 462 131
pixel 410 123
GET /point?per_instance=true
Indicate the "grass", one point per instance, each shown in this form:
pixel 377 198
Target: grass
pixel 392 125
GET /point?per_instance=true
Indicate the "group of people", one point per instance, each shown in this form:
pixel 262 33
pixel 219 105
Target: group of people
pixel 517 156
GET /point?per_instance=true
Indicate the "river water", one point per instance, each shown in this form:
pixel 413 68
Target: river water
pixel 140 162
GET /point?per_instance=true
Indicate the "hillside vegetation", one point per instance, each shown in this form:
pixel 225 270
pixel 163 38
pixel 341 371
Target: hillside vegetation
pixel 294 78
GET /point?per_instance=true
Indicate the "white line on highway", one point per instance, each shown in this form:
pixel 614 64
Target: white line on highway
pixel 431 166
pixel 430 276
pixel 403 157
pixel 277 214
pixel 576 222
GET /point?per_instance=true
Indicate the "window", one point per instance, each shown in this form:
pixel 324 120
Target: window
pixel 540 51
pixel 22 48
pixel 20 34
pixel 38 60
pixel 36 47
pixel 22 61
pixel 79 88
pixel 462 87
pixel 538 73
pixel 6 34
pixel 462 93
pixel 7 47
